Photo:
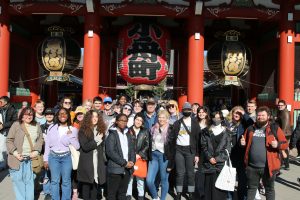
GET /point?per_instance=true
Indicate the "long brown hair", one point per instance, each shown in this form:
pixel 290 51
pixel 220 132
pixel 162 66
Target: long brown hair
pixel 86 124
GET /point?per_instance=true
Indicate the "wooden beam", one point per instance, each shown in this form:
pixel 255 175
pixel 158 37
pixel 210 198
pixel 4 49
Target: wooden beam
pixel 46 8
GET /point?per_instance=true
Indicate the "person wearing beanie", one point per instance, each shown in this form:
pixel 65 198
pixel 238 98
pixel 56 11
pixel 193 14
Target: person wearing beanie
pixel 185 135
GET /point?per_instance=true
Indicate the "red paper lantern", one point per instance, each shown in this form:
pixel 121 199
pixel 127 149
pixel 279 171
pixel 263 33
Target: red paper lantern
pixel 143 53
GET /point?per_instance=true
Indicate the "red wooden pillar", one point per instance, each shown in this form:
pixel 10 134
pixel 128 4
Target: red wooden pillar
pixel 195 59
pixel 105 65
pixel 91 60
pixel 286 55
pixel 4 50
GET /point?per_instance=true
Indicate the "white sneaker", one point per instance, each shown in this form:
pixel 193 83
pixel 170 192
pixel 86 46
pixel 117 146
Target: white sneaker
pixel 157 198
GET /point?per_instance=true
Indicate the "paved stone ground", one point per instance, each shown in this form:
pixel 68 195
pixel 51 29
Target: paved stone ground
pixel 286 186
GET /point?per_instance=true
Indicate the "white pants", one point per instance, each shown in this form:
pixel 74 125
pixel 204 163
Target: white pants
pixel 140 186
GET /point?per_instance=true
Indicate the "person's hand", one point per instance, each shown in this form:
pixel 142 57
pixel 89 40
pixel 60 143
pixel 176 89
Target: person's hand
pixel 274 143
pixel 213 161
pixel 129 164
pixel 137 156
pixel 243 141
pixel 99 137
pixel 18 156
pixel 34 154
pixel 240 112
pixel 46 166
pixel 196 160
pixel 1 126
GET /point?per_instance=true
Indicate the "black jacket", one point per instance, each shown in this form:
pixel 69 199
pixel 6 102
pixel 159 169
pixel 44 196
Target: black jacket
pixel 236 132
pixel 194 135
pixel 116 162
pixel 142 142
pixel 9 116
pixel 85 171
pixel 219 153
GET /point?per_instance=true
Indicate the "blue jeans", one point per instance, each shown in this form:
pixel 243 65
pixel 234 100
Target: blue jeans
pixel 158 163
pixel 23 181
pixel 140 186
pixel 60 166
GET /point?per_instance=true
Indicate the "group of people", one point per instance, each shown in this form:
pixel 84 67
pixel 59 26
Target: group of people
pixel 113 136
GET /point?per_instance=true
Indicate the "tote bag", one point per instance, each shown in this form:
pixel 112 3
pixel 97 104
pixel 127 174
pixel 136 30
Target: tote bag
pixel 140 168
pixel 227 177
pixel 74 156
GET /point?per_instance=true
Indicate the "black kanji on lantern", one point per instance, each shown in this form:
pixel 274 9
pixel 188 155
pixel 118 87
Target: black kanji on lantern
pixel 144 51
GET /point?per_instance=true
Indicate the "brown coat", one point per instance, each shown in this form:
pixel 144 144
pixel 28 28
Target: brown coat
pixel 283 119
pixel 15 140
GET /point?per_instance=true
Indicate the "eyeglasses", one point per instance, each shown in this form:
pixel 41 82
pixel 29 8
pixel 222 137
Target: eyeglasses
pixel 61 114
pixel 28 114
pixel 280 105
pixel 126 108
pixel 67 102
pixel 107 103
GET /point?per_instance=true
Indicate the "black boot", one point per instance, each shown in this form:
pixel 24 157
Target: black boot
pixel 178 196
pixel 128 197
pixel 190 196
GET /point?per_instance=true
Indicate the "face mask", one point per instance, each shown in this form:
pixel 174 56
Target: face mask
pixel 216 122
pixel 186 113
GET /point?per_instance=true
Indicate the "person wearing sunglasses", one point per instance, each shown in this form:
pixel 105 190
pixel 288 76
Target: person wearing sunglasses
pixel 172 108
pixel 128 111
pixel 67 103
pixel 108 114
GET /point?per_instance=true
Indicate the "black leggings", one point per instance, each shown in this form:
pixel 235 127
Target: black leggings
pixel 89 191
pixel 184 164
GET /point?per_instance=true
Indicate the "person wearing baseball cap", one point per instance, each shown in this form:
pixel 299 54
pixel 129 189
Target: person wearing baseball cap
pixel 107 100
pixel 108 113
pixel 49 115
pixel 150 113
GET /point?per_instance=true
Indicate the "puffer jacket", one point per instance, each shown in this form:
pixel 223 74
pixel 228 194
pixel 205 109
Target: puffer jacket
pixel 9 116
pixel 115 160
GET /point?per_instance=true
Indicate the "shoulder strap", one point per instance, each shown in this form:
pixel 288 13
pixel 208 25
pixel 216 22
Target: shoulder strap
pixel 185 127
pixel 27 136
